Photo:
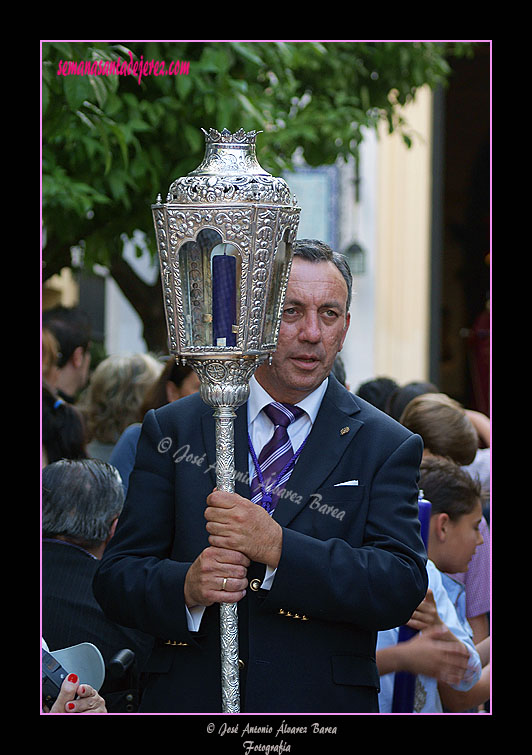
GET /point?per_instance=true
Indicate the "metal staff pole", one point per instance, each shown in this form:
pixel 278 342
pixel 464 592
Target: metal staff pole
pixel 225 476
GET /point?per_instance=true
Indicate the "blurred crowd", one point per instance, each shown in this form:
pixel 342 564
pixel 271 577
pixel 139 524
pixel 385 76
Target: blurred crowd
pixel 91 420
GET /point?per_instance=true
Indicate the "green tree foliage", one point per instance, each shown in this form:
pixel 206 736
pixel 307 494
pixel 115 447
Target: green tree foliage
pixel 111 143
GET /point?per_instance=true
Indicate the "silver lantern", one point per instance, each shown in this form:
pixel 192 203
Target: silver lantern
pixel 224 237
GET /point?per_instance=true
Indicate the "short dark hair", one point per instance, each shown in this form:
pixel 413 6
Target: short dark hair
pixel 156 396
pixel 402 395
pixel 449 488
pixel 80 500
pixel 71 327
pixel 377 391
pixel 316 251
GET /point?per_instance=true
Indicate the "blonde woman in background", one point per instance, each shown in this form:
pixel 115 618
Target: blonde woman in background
pixel 114 398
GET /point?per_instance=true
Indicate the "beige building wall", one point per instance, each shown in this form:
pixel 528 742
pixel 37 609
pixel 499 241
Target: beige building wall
pixel 60 290
pixel 402 280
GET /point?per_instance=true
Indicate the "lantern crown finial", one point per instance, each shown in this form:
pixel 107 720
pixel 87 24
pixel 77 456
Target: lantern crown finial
pixel 213 136
pixel 229 173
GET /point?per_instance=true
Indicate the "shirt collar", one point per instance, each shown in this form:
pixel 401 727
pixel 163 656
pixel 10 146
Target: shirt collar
pixel 259 398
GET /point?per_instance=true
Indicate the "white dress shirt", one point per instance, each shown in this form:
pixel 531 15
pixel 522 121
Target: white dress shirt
pixel 427 698
pixel 261 429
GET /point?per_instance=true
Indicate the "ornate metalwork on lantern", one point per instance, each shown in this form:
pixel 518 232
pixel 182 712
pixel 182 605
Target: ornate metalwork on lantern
pixel 224 237
pixel 230 172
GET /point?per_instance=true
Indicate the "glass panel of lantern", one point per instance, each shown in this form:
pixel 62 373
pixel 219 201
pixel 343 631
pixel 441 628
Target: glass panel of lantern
pixel 279 272
pixel 210 272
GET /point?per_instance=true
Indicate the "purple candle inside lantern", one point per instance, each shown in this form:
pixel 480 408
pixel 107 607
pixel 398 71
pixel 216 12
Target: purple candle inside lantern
pixel 223 299
pixel 405 683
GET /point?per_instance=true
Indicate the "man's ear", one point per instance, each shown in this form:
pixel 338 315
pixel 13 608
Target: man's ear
pixel 441 526
pixel 112 529
pixel 77 356
pixel 346 328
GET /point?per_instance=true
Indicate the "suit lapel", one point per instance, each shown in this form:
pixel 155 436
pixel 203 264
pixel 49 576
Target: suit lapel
pixel 333 431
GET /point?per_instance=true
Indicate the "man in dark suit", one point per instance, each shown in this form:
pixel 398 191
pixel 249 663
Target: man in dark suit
pixel 340 558
pixel 81 503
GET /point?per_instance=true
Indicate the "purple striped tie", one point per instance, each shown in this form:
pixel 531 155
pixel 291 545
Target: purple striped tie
pixel 276 454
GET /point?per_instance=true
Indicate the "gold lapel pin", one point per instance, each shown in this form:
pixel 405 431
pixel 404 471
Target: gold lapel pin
pixel 344 430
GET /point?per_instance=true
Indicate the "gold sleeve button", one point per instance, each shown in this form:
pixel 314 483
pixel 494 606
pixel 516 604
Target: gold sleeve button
pixel 255 584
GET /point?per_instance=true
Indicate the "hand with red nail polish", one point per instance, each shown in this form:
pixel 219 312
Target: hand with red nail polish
pixel 77 698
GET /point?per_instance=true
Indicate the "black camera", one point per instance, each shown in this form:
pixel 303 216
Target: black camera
pixel 53 675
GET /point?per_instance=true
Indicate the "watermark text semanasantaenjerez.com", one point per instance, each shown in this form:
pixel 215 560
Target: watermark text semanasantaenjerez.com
pixel 136 68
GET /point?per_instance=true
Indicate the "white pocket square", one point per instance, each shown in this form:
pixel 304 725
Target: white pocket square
pixel 349 482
